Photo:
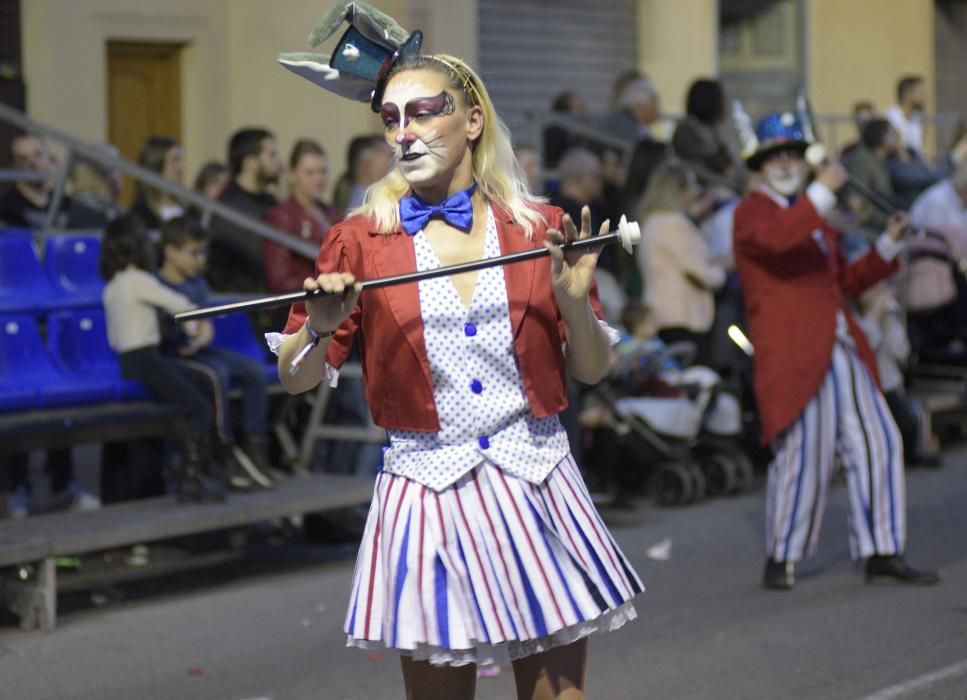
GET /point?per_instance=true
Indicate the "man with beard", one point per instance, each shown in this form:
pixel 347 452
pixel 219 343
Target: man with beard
pixel 816 385
pixel 235 257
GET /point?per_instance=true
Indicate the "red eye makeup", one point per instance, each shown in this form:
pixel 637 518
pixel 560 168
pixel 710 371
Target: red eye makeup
pixel 419 108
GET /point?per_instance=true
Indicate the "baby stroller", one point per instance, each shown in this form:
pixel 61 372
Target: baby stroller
pixel 677 423
pixel 934 294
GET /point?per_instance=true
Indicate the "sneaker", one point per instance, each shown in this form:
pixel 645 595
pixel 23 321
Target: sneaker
pixel 893 568
pixel 233 473
pixel 252 469
pixel 779 575
pixel 18 503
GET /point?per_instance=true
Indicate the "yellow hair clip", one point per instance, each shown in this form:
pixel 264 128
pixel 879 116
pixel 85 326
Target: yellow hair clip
pixel 460 69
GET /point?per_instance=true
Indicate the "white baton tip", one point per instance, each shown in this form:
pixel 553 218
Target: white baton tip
pixel 815 154
pixel 629 233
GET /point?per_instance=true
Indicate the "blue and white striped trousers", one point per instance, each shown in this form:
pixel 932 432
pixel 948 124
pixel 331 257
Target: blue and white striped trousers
pixel 848 418
pixel 490 569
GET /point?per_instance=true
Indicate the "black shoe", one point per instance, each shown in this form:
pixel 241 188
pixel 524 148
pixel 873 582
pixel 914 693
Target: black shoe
pixel 893 568
pixel 197 488
pixel 925 459
pixel 194 477
pixel 779 575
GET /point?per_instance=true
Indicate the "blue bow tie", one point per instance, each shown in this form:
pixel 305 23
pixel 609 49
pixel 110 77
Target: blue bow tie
pixel 456 210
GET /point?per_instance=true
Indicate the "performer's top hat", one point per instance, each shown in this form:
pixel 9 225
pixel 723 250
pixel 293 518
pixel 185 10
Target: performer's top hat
pixel 780 131
pixel 373 43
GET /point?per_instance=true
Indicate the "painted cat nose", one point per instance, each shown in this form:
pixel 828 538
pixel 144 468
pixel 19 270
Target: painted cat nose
pixel 404 139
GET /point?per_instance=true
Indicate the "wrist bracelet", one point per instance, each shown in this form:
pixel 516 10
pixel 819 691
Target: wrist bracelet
pixel 316 335
pixel 310 346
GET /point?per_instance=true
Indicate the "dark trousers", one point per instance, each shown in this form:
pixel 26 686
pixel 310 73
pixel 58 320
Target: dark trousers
pixel 234 369
pixel 170 383
pixel 906 421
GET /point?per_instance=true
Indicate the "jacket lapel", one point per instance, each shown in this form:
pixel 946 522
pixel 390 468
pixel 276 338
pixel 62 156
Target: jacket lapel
pixel 394 254
pixel 519 276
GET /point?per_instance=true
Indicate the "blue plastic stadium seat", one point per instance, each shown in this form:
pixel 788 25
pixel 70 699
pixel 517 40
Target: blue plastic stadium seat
pixel 234 332
pixel 77 343
pixel 71 262
pixel 23 285
pixel 26 365
pixel 27 233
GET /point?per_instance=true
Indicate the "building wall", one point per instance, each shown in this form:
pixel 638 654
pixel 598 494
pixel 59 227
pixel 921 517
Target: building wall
pixel 858 49
pixel 677 42
pixel 853 50
pixel 229 74
pixel 65 63
pixel 951 58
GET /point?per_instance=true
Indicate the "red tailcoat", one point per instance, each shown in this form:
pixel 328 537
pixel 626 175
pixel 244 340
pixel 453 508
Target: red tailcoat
pixel 388 321
pixel 795 278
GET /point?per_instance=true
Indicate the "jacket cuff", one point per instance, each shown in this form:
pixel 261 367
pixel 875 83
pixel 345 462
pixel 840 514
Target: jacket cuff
pixel 275 340
pixel 887 248
pixel 821 197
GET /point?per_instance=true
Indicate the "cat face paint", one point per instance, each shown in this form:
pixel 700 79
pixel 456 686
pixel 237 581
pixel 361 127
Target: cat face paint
pixel 417 114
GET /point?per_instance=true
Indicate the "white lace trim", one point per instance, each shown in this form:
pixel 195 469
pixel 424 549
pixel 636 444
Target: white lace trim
pixel 614 336
pixel 491 654
pixel 275 340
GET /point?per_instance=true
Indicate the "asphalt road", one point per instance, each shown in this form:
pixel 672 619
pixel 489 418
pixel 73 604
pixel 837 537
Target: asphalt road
pixel 267 625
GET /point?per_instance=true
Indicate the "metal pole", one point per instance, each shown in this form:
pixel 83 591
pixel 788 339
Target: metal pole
pixel 53 207
pixel 293 297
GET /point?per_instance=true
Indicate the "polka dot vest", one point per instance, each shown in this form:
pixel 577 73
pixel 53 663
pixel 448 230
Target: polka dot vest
pixel 477 387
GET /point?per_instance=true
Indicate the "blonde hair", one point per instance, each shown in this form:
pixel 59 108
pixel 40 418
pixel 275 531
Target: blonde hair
pixel 496 171
pixel 666 188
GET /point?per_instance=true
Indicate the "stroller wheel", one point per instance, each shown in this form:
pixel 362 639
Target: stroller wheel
pixel 744 472
pixel 720 474
pixel 699 484
pixel 671 484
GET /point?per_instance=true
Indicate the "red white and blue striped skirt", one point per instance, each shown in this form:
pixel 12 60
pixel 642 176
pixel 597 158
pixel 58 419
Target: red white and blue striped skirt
pixel 492 568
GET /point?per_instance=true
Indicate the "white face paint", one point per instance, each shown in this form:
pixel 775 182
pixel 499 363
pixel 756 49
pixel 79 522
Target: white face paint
pixel 786 175
pixel 414 115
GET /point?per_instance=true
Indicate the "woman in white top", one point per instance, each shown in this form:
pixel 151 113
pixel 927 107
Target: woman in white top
pixel 680 277
pixel 132 299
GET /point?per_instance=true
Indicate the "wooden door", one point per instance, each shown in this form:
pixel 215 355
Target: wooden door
pixel 144 97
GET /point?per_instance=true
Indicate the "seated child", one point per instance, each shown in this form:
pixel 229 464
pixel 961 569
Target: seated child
pixel 184 245
pixel 131 300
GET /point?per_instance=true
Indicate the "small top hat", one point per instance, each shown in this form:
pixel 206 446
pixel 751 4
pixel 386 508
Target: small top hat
pixel 780 131
pixel 366 52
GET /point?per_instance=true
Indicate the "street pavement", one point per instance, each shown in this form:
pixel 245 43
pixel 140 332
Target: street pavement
pixel 267 625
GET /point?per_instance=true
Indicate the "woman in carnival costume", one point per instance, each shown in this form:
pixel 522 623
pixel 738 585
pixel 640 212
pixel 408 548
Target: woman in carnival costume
pixel 482 544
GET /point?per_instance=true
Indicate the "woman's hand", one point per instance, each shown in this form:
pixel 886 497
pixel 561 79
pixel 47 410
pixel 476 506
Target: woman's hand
pixel 572 273
pixel 329 310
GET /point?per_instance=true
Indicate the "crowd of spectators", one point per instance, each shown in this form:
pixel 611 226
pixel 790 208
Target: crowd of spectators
pixel 680 184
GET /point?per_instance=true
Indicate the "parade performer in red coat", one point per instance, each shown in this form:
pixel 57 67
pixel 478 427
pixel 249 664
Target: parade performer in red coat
pixel 816 385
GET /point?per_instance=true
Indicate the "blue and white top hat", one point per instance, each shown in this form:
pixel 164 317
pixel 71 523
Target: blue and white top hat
pixel 361 62
pixel 780 131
